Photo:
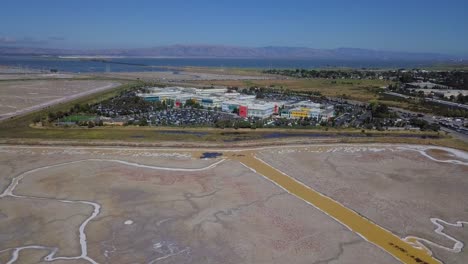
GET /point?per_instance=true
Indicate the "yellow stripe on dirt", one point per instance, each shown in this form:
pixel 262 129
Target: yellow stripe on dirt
pixel 357 223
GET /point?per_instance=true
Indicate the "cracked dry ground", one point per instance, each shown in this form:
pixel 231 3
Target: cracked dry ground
pixel 400 190
pixel 227 214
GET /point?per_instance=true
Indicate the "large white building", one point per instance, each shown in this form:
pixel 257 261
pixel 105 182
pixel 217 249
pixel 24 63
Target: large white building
pixel 308 109
pixel 244 105
pixel 261 110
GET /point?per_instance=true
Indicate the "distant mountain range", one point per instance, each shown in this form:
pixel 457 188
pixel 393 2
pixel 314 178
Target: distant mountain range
pixel 217 51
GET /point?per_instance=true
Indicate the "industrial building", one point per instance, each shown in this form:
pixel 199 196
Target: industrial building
pixel 233 102
pixel 307 109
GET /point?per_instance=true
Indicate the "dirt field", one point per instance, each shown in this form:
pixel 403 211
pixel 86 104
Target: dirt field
pixel 32 76
pixel 220 214
pixel 360 90
pixel 18 97
pixel 129 205
pixel 13 73
pixel 183 76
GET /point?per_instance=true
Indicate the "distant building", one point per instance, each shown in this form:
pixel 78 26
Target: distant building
pixel 307 109
pixel 151 98
pixel 260 110
pixel 244 105
pixel 243 111
pixel 229 106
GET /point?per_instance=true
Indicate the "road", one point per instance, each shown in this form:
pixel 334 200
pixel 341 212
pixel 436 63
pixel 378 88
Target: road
pixel 430 119
pixel 452 104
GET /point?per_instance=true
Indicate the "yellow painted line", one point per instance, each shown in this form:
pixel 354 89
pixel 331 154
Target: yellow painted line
pixel 370 231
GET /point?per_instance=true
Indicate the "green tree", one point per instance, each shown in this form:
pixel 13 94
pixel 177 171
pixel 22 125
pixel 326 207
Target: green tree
pixel 143 122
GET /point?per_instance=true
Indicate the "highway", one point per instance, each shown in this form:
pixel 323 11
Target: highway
pixel 437 101
pixel 434 119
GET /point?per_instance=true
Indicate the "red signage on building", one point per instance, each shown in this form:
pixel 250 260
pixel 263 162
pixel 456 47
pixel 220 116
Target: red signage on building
pixel 243 111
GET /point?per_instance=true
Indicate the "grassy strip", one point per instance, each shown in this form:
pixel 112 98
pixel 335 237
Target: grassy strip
pixel 360 90
pixel 225 71
pixel 449 67
pixel 77 118
pixel 197 142
pixel 198 134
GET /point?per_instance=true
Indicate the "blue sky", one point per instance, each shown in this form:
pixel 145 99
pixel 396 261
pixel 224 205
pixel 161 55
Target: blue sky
pixel 410 25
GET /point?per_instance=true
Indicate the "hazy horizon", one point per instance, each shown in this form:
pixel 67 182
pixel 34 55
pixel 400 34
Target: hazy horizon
pixel 14 45
pixel 416 26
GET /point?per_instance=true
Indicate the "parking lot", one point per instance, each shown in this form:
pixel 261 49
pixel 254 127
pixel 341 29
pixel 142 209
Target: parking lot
pixel 185 117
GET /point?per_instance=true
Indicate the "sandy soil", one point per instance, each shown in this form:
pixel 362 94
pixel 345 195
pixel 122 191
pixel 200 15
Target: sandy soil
pixel 223 214
pixel 181 76
pixel 51 223
pixel 9 157
pixel 13 73
pixel 399 188
pixel 444 155
pixel 4 69
pixel 19 97
pixel 32 76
